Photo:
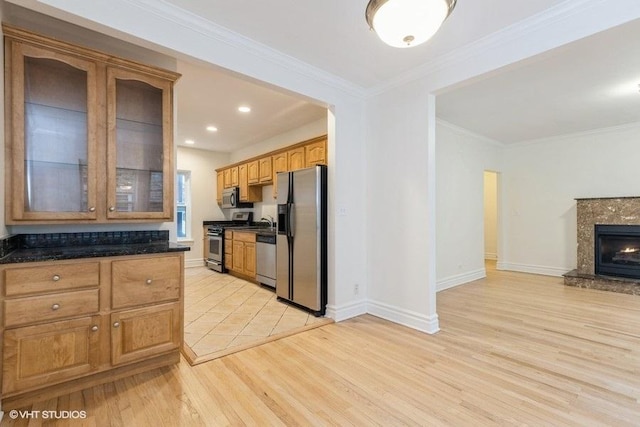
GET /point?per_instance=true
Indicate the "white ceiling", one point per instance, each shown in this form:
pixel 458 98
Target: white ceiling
pixel 586 85
pixel 333 35
pixel 210 96
pixel 589 84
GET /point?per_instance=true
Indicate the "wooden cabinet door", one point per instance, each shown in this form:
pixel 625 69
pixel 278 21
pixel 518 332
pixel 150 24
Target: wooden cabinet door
pixel 140 175
pixel 227 178
pixel 238 256
pixel 250 259
pixel 49 354
pixel 279 163
pixel 145 332
pixel 235 178
pixel 295 159
pixel 253 172
pixel 52 127
pixel 316 153
pixel 266 175
pixel 219 186
pixel 243 180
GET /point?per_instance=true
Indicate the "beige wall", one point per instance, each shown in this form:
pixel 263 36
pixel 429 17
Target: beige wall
pixel 490 215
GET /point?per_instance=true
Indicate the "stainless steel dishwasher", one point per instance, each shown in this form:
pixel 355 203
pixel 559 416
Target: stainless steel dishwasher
pixel 266 259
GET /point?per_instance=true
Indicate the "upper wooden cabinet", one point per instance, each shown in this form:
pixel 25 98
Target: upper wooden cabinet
pixel 316 153
pixel 263 170
pixel 266 176
pixel 295 159
pixel 76 116
pixel 219 186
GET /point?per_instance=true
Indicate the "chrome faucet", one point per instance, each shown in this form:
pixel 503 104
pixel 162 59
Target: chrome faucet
pixel 268 220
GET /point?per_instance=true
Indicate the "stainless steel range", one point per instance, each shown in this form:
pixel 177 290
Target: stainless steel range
pixel 215 236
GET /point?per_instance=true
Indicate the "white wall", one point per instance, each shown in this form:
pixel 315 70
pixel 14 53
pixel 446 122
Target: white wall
pixel 302 133
pixel 462 158
pixel 398 208
pixel 540 182
pixel 202 165
pixel 490 215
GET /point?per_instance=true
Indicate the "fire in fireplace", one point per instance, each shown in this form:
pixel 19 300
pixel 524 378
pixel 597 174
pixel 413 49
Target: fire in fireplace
pixel 617 250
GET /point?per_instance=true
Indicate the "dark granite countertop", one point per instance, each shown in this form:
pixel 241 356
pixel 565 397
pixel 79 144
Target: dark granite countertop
pixel 61 246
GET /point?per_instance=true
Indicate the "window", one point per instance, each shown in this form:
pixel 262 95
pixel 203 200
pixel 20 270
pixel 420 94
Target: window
pixel 183 203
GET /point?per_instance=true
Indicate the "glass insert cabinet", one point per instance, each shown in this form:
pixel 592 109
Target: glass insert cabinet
pixel 90 135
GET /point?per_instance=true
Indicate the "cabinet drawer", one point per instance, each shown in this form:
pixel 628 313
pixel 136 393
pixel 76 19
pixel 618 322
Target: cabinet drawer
pixel 21 311
pixel 228 235
pixel 244 237
pixel 47 278
pixel 144 281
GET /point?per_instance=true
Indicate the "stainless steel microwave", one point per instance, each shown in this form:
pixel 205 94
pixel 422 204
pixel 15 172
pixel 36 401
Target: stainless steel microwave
pixel 231 199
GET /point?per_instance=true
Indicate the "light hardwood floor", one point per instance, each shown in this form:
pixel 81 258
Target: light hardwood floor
pixel 515 349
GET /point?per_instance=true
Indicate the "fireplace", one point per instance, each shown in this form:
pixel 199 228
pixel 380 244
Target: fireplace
pixel 617 250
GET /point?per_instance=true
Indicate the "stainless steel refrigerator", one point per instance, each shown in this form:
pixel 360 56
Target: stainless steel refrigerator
pixel 301 244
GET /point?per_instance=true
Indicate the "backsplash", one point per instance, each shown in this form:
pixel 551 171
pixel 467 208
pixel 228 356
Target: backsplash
pixel 50 240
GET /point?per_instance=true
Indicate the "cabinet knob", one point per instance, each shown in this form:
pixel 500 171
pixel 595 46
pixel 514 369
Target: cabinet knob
pixel 55 278
pixel 92 209
pixel 55 307
pixel 112 208
pixel 148 281
pixel 94 328
pixel 116 324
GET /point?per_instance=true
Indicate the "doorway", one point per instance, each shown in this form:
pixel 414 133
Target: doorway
pixel 491 216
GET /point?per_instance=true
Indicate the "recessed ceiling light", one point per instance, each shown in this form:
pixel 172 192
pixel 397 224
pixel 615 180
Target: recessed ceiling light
pixel 189 141
pixel 212 129
pixel 244 109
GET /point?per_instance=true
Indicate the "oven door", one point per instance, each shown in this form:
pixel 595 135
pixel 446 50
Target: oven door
pixel 215 257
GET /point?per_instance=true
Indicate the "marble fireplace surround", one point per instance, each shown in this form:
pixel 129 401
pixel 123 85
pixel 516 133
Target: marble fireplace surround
pixel 608 210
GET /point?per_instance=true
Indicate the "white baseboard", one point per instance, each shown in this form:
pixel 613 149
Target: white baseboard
pixel 198 262
pixel 533 269
pixel 460 279
pixel 346 311
pixel 428 324
pixel 491 256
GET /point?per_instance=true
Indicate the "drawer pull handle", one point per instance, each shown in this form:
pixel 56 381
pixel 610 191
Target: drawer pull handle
pixel 55 278
pixel 112 208
pixel 116 324
pixel 92 209
pixel 54 307
pixel 148 281
pixel 94 328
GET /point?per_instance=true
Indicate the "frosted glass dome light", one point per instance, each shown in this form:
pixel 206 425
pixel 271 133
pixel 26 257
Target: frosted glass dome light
pixel 407 23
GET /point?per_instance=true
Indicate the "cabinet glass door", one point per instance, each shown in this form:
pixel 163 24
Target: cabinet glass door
pixel 54 134
pixel 139 162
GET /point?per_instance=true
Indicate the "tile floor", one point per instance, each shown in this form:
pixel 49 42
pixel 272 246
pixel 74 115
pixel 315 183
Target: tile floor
pixel 224 314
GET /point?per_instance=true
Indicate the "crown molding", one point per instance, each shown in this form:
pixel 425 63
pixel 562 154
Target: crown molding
pixel 593 132
pixel 537 23
pixel 210 30
pixel 466 132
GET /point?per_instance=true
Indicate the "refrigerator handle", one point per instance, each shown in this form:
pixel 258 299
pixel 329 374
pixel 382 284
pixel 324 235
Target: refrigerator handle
pixel 291 220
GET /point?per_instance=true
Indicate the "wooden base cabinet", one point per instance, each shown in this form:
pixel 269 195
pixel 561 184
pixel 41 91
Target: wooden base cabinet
pixel 243 254
pixel 145 332
pixel 79 323
pixel 35 356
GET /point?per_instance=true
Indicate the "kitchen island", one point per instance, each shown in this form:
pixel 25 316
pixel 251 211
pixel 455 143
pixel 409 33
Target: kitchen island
pixel 81 309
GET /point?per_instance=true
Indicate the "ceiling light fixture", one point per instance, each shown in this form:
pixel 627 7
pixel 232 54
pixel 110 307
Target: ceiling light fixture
pixel 244 109
pixel 407 23
pixel 212 129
